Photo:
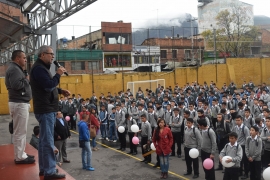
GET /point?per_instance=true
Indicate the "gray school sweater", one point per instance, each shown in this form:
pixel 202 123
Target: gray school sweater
pixel 241 136
pixel 209 145
pixel 228 150
pixel 177 123
pixel 253 148
pixel 152 118
pixel 193 140
pixel 264 135
pixel 146 130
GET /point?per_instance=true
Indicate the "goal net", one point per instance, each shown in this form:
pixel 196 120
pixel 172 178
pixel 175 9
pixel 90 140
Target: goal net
pixel 150 84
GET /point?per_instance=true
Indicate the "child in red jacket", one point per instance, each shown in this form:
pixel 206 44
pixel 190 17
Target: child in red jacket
pixel 163 140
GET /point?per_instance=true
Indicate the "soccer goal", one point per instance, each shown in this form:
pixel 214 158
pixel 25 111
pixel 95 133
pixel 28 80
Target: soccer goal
pixel 150 84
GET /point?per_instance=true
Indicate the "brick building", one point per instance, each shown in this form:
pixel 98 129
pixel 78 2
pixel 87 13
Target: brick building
pixel 113 39
pixel 177 49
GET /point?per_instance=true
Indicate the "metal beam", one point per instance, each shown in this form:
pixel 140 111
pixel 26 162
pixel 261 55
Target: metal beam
pixel 45 15
pixel 51 12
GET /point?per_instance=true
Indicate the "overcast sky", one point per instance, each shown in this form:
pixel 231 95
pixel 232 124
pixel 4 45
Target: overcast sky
pixel 140 13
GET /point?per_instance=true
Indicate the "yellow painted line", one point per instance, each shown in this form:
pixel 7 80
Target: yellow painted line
pixel 177 175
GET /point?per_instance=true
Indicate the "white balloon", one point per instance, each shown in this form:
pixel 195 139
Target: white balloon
pixel 121 129
pixel 227 164
pixel 153 146
pixel 135 128
pixel 193 153
pixel 266 174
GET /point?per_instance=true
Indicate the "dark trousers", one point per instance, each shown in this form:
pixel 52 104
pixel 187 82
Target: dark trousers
pixel 177 140
pixel 158 160
pixel 244 162
pixel 190 161
pixel 72 122
pixel 143 142
pixel 231 174
pixel 266 158
pixel 255 170
pixel 133 147
pixel 122 139
pixel 214 122
pixel 153 129
pixel 221 144
pixel 209 174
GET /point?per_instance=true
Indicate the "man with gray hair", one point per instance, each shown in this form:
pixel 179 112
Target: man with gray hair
pixel 19 94
pixel 45 101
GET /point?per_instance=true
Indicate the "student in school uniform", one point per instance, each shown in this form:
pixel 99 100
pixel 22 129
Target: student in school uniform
pixel 222 132
pixel 253 152
pixel 248 120
pixel 146 134
pixel 175 123
pixel 234 150
pixel 243 133
pixel 265 135
pixel 193 139
pixel 130 122
pixel 208 147
pixel 120 121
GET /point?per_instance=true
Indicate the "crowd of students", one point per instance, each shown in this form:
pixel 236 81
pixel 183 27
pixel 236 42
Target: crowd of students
pixel 234 121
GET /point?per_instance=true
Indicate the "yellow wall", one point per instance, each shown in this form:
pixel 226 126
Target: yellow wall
pixel 235 69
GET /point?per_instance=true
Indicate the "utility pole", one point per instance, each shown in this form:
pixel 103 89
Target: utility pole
pixel 215 50
pixel 149 67
pixel 192 42
pixel 173 58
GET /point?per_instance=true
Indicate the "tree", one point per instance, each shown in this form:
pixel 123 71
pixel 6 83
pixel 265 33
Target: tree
pixel 233 34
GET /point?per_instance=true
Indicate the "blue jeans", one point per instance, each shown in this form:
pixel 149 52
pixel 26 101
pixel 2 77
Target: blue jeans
pixel 86 155
pixel 112 130
pixel 46 156
pixel 164 163
pixel 103 130
pixel 94 142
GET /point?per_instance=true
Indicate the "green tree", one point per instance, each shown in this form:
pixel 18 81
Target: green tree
pixel 233 35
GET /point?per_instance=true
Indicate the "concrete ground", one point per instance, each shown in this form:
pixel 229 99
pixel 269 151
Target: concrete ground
pixel 108 162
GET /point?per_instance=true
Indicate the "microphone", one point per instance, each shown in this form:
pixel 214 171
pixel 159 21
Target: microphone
pixel 58 65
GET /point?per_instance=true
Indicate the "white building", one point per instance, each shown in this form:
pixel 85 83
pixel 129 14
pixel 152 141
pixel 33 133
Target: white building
pixel 209 9
pixel 142 54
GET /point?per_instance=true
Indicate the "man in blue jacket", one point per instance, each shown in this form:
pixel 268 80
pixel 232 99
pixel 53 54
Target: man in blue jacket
pixel 84 139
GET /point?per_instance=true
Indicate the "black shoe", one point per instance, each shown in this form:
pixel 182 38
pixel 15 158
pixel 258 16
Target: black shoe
pixel 28 160
pixel 135 153
pixel 41 173
pixel 187 174
pixel 130 153
pixel 31 156
pixel 195 176
pixel 245 176
pixel 219 169
pixel 172 155
pixel 144 160
pixel 55 176
pixel 123 149
pixel 156 165
pixel 119 149
pixel 179 156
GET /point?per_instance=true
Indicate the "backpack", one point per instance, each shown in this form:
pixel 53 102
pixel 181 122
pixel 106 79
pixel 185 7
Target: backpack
pixel 243 130
pixel 257 143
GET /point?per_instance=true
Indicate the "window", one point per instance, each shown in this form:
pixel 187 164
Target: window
pixel 163 54
pixel 174 53
pixel 118 38
pixel 94 65
pixel 187 53
pixel 77 65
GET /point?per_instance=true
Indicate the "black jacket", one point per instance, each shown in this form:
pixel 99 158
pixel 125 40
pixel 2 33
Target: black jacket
pixel 44 90
pixel 60 130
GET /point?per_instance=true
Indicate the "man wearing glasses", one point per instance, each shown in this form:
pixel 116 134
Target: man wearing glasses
pixel 45 101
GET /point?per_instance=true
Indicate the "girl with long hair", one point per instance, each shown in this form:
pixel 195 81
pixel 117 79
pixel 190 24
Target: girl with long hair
pixel 162 140
pixel 94 123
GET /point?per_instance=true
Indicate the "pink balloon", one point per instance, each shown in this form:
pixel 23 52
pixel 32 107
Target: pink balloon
pixel 135 140
pixel 67 118
pixel 77 112
pixel 208 163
